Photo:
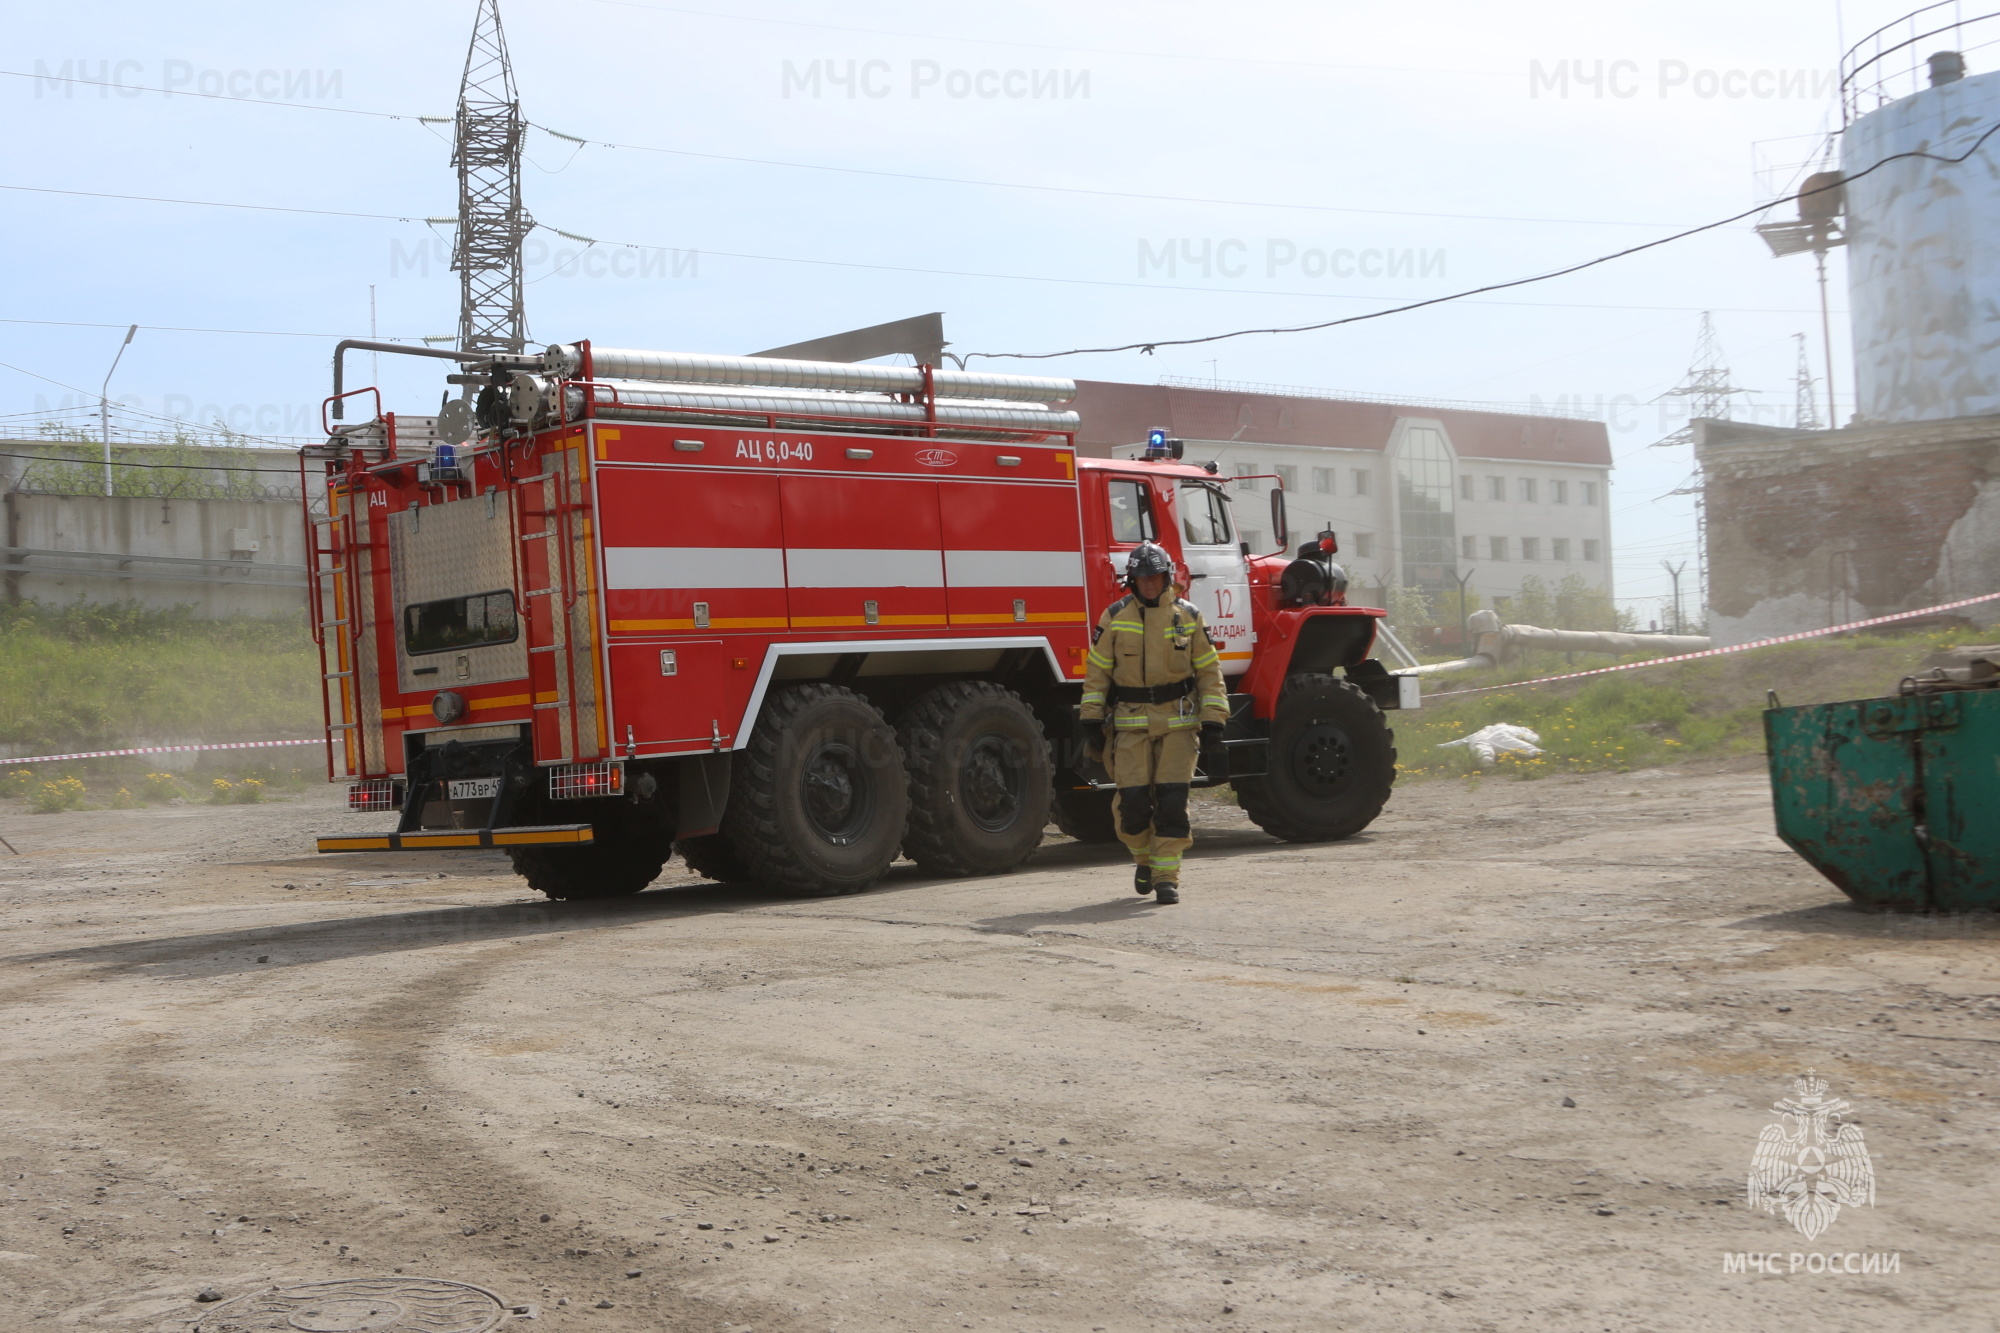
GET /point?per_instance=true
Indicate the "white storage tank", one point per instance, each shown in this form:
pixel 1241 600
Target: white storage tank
pixel 1924 251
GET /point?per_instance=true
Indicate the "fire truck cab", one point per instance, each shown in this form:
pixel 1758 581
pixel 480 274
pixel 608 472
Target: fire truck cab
pixel 790 619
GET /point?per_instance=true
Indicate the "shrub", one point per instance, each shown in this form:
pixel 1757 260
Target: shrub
pixel 59 794
pixel 221 791
pixel 248 792
pixel 122 799
pixel 17 783
pixel 161 787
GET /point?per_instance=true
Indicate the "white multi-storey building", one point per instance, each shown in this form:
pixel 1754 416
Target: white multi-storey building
pixel 1418 494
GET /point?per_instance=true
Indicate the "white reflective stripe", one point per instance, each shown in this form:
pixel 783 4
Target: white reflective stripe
pixel 1013 569
pixel 693 567
pixel 848 568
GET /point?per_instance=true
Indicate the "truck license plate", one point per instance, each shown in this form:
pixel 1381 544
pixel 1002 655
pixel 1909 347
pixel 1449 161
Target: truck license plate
pixel 475 789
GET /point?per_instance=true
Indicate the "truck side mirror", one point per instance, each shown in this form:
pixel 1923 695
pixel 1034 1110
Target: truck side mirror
pixel 1278 527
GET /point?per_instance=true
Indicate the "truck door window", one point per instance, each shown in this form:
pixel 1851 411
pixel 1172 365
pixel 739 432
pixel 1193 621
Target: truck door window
pixel 459 622
pixel 1204 516
pixel 1131 512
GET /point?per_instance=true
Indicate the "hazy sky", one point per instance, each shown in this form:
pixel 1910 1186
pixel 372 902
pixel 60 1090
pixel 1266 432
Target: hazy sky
pixel 1358 156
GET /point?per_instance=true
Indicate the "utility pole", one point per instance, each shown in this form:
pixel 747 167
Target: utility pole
pixel 491 221
pixel 1674 572
pixel 1464 632
pixel 104 405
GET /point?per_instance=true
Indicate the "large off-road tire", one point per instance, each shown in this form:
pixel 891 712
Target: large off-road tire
pixel 631 843
pixel 979 771
pixel 712 857
pixel 611 869
pixel 1086 815
pixel 818 798
pixel 1332 763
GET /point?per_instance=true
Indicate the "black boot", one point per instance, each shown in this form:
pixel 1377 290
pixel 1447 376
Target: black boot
pixel 1142 880
pixel 1167 894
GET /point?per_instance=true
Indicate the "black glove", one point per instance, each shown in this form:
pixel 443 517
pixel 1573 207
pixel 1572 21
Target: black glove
pixel 1211 735
pixel 1093 744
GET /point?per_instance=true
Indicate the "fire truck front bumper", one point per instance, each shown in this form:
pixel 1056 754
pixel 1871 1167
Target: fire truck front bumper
pixel 454 839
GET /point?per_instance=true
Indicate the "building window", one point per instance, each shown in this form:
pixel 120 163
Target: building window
pixel 1424 502
pixel 1246 470
pixel 1589 492
pixel 1323 480
pixel 1253 539
pixel 1496 488
pixel 1470 546
pixel 1589 545
pixel 1559 548
pixel 1288 476
pixel 1559 492
pixel 1360 481
pixel 1498 547
pixel 1364 545
pixel 1531 548
pixel 1527 486
pixel 1465 486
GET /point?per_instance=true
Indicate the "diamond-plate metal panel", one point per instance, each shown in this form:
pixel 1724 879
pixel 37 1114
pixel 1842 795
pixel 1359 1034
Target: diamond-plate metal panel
pixel 361 1305
pixel 454 550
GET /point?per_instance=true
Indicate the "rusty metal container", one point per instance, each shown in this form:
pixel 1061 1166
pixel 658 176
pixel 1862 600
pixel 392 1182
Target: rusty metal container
pixel 1896 800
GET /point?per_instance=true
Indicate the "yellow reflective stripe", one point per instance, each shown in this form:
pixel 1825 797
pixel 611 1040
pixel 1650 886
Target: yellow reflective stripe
pixel 1093 696
pixel 1130 723
pixel 1098 659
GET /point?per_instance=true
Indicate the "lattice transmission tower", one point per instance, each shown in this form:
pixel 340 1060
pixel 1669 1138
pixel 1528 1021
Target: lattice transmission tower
pixel 1707 388
pixel 492 223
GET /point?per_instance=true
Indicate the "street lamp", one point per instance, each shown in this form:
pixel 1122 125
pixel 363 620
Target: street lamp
pixel 104 406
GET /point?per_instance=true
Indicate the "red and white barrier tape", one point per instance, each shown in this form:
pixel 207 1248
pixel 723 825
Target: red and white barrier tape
pixel 1718 652
pixel 156 749
pixel 1449 694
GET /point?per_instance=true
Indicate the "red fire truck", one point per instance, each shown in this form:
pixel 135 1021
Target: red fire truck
pixel 788 618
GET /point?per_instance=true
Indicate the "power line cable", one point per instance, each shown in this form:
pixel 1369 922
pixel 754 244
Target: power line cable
pixel 1147 348
pixel 925 272
pixel 212 203
pixel 582 142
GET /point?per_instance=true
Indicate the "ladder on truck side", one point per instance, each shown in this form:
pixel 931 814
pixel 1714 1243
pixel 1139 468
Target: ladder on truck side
pixel 335 554
pixel 556 574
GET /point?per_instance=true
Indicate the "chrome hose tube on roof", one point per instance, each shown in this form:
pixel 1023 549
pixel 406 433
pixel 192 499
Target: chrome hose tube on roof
pixel 615 363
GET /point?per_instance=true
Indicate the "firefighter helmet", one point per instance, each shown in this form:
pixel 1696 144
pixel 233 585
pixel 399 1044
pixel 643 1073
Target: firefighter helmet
pixel 1147 558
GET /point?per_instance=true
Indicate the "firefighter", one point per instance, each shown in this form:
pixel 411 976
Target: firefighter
pixel 1154 682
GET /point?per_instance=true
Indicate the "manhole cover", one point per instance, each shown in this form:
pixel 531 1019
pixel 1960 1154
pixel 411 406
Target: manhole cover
pixel 361 1305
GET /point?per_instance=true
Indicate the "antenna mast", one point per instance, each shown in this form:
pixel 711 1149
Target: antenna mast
pixel 491 220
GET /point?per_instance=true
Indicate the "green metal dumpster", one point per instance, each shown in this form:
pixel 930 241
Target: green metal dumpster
pixel 1896 800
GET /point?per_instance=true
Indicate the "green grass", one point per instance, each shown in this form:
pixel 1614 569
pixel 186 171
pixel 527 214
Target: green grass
pixel 1655 715
pixel 88 677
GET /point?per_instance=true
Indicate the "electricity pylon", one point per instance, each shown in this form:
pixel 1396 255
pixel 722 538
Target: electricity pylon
pixel 491 221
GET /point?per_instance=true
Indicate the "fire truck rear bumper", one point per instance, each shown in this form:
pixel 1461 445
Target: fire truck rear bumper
pixel 451 839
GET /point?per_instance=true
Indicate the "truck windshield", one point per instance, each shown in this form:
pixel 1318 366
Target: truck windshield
pixel 459 622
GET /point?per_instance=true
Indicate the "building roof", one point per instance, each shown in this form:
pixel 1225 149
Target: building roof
pixel 1114 414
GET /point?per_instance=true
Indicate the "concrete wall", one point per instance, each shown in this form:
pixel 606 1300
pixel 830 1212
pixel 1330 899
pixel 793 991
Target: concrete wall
pixel 1811 529
pixel 160 552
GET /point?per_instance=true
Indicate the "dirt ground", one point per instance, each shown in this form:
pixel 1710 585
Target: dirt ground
pixel 1331 1090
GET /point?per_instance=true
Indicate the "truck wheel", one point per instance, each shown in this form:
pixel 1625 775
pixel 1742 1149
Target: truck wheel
pixel 601 870
pixel 818 797
pixel 712 857
pixel 1086 815
pixel 979 779
pixel 1332 763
